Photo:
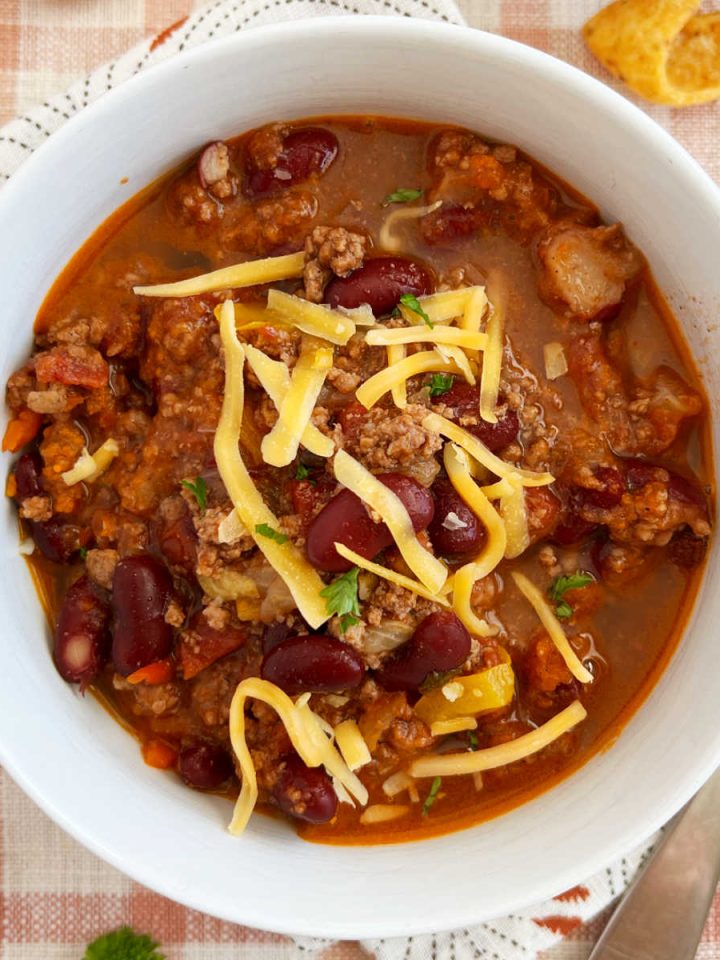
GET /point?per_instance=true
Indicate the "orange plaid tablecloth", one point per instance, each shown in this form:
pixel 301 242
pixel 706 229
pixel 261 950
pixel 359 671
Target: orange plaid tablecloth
pixel 54 895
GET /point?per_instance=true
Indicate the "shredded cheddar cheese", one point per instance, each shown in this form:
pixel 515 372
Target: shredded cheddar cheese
pixel 492 357
pixel 248 274
pixel 457 467
pixel 312 744
pixel 289 563
pixel 89 466
pixel 353 475
pixel 280 446
pixel 376 386
pixel 274 378
pixel 553 626
pixel 390 575
pixel 351 745
pixel 514 515
pixel 477 449
pixel 395 354
pixel 313 318
pixel 453 336
pixel 456 764
pixel 441 728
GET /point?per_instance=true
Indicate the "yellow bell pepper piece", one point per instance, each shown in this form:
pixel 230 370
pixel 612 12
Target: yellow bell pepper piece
pixel 482 692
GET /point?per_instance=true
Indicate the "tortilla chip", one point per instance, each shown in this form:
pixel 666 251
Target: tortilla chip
pixel 661 49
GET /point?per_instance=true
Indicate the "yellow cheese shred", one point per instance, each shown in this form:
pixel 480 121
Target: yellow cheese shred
pixel 457 356
pixel 274 378
pixel 382 812
pixel 475 306
pixel 248 274
pixel 288 562
pixel 456 764
pixel 378 385
pixel 280 446
pixel 395 354
pixel 458 471
pixel 312 318
pixel 514 514
pixel 454 336
pixel 391 575
pixel 312 744
pixel 89 466
pixel 493 355
pixel 477 449
pixel 387 239
pixel 442 307
pixel 553 626
pixel 353 475
pixel 441 728
pixel 351 745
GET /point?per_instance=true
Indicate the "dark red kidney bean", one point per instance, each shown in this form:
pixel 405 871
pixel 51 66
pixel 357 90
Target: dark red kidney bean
pixel 305 151
pixel 684 490
pixel 56 538
pixel 464 400
pixel 141 591
pixel 273 635
pixel 439 644
pixel 380 283
pixel 344 519
pixel 573 529
pixel 448 542
pixel 178 542
pixel 605 497
pixel 82 638
pixel 638 473
pixel 448 223
pixel 206 766
pixel 687 550
pixel 314 664
pixel 305 793
pixel 28 476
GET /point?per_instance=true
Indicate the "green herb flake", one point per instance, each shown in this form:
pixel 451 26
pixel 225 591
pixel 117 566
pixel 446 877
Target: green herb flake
pixel 440 383
pixel 403 195
pixel 438 679
pixel 123 944
pixel 341 598
pixel 265 530
pixel 410 301
pixel 560 586
pixel 473 740
pixel 395 313
pixel 432 796
pixel 198 490
pixel 302 472
pixel 83 553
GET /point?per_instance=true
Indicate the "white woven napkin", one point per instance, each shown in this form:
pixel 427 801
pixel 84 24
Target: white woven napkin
pixel 525 933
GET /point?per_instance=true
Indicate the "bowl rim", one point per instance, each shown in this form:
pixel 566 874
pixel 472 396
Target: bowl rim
pixel 599 96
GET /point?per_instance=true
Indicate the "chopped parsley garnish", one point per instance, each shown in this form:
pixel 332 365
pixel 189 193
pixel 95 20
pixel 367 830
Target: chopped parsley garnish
pixel 123 944
pixel 438 679
pixel 473 740
pixel 83 553
pixel 410 301
pixel 403 195
pixel 432 796
pixel 302 472
pixel 560 586
pixel 341 598
pixel 440 383
pixel 265 530
pixel 198 490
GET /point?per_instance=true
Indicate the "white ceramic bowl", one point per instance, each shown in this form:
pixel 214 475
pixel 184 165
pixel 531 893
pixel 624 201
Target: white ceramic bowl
pixel 74 760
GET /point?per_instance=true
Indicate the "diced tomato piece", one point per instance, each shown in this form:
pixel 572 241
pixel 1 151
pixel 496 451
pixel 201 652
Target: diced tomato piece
pixel 200 645
pixel 73 365
pixel 158 754
pixel 161 671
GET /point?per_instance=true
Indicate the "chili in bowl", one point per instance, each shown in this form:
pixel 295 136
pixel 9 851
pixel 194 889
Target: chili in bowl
pixel 365 472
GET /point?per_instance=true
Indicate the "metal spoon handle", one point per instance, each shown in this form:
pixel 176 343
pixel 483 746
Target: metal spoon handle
pixel 663 914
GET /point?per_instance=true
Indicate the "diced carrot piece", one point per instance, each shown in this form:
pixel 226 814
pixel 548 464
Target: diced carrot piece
pixel 11 486
pixel 158 754
pixel 21 430
pixel 161 671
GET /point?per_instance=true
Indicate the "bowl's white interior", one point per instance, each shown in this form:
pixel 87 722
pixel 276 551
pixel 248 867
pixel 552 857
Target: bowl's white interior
pixel 72 758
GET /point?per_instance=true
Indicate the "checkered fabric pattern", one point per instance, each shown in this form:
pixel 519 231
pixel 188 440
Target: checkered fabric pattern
pixel 54 895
